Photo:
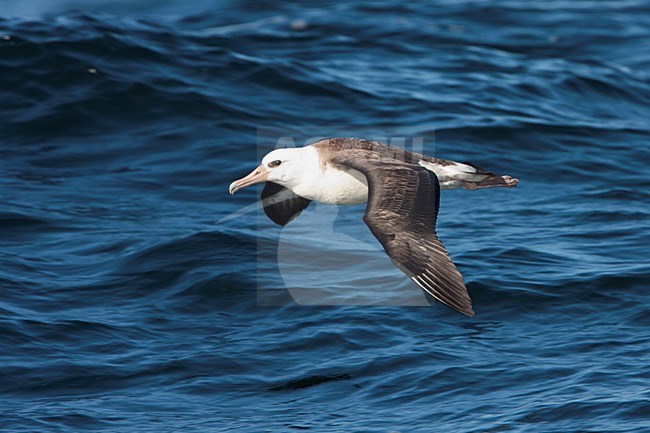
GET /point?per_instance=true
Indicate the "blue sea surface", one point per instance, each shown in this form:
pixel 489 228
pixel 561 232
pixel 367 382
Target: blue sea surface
pixel 132 301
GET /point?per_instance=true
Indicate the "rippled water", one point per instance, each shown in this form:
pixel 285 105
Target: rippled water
pixel 127 304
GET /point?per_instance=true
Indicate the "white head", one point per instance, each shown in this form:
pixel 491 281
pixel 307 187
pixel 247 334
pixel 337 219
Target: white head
pixel 282 166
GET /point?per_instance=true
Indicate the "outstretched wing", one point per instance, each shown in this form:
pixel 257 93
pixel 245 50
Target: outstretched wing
pixel 281 205
pixel 403 201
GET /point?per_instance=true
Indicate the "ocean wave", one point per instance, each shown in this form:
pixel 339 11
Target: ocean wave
pixel 129 300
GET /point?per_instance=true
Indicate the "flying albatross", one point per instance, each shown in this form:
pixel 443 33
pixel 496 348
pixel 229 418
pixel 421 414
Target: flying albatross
pixel 402 191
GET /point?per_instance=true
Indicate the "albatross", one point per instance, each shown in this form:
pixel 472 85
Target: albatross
pixel 402 192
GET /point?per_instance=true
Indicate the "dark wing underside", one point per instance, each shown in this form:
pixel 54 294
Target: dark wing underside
pixel 281 205
pixel 403 201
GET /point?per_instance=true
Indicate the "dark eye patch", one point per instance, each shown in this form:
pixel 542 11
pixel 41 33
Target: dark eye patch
pixel 275 163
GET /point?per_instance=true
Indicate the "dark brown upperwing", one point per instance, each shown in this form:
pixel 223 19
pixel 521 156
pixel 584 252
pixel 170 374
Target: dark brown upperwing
pixel 403 201
pixel 281 205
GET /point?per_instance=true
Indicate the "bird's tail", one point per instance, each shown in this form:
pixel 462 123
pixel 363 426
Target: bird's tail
pixel 491 181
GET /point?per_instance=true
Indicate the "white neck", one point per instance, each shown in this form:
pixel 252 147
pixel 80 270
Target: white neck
pixel 326 183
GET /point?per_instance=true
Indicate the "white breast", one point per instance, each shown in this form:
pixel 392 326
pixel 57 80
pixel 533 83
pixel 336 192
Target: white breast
pixel 341 187
pixel 329 184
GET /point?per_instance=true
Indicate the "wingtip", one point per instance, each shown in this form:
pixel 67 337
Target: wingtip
pixel 468 311
pixel 463 308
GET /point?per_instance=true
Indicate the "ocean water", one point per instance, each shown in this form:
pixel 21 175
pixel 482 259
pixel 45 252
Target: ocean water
pixel 131 299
